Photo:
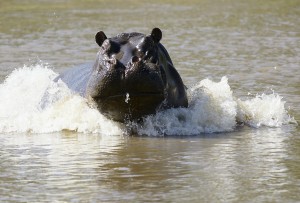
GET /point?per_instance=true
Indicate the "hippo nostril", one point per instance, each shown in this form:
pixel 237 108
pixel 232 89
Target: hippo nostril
pixel 135 59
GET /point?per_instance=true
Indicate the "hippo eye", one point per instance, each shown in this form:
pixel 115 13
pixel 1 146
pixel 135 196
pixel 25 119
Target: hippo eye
pixel 135 59
pixel 139 53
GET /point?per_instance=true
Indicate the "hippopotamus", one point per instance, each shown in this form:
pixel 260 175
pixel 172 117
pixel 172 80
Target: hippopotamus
pixel 133 76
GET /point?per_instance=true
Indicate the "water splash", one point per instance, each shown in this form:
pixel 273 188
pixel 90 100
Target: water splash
pixel 264 110
pixel 30 101
pixel 212 108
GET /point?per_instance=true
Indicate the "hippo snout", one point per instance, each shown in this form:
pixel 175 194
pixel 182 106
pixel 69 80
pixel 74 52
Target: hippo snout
pixel 137 89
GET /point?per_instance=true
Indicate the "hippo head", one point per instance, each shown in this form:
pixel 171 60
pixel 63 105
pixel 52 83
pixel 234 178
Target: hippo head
pixel 128 80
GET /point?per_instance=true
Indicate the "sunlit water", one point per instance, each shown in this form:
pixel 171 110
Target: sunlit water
pixel 237 142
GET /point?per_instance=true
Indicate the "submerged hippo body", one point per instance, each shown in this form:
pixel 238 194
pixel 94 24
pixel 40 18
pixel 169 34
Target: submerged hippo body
pixel 133 76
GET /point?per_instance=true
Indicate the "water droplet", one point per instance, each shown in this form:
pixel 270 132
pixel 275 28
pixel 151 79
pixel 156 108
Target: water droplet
pixel 127 98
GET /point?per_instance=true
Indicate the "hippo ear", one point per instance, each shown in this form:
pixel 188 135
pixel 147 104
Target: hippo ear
pixel 100 37
pixel 156 35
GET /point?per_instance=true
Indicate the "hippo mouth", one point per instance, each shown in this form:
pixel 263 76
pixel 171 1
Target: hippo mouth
pixel 130 105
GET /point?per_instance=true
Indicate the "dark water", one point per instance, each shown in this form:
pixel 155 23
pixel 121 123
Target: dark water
pixel 254 43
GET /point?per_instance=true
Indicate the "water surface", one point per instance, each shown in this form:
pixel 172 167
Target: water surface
pixel 70 153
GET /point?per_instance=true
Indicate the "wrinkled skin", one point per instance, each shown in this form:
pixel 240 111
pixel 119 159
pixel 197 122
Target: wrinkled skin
pixel 133 76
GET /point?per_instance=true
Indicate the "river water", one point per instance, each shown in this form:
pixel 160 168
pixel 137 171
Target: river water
pixel 240 61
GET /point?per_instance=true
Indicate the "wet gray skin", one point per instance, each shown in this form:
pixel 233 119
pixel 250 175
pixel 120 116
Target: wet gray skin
pixel 133 76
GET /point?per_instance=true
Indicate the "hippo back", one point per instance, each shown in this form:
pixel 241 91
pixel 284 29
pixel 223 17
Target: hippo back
pixel 77 78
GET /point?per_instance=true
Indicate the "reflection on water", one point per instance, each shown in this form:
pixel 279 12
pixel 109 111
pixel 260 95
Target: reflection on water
pixel 53 165
pixel 243 166
pixel 255 43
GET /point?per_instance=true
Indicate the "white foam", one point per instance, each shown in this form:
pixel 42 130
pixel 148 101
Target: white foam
pixel 30 101
pixel 264 110
pixel 212 108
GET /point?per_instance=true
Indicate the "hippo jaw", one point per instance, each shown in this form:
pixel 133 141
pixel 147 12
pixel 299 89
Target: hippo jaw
pixel 129 106
pixel 127 81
